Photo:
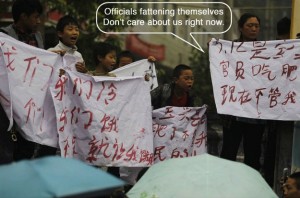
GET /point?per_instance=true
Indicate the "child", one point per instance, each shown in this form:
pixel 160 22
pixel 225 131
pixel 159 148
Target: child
pixel 105 59
pixel 68 32
pixel 177 93
pixel 126 57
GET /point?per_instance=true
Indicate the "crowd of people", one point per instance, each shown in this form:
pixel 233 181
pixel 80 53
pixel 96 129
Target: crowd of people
pixel 26 15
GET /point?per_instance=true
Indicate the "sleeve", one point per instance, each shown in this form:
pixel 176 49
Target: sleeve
pixel 156 97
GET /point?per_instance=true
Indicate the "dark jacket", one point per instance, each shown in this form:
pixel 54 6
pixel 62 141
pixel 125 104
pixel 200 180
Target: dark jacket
pixel 9 30
pixel 161 96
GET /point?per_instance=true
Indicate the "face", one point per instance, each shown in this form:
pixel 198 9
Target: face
pixel 290 189
pixel 250 29
pixel 109 61
pixel 185 80
pixel 30 23
pixel 125 61
pixel 70 35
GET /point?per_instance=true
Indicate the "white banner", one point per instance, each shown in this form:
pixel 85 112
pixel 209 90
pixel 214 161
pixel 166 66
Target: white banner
pixel 139 68
pixel 256 79
pixel 179 132
pixel 28 72
pixel 104 121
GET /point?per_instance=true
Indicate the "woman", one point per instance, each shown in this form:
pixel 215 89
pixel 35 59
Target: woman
pixel 237 128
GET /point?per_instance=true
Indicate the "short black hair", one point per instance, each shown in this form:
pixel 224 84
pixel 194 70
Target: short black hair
pixel 25 6
pixel 126 53
pixel 102 49
pixel 64 21
pixel 179 68
pixel 296 177
pixel 283 26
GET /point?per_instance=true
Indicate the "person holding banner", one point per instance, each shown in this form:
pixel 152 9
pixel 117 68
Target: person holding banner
pixel 237 128
pixel 126 57
pixel 26 16
pixel 177 93
pixel 68 32
pixel 291 188
pixel 105 59
pixel 273 133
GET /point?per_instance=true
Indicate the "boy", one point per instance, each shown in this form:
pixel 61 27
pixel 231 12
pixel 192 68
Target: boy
pixel 105 59
pixel 291 187
pixel 126 57
pixel 177 93
pixel 68 32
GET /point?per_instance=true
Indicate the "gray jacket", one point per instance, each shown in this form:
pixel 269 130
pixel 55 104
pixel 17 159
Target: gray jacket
pixel 9 30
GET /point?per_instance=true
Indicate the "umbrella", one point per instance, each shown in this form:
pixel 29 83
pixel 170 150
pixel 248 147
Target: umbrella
pixel 200 176
pixel 55 177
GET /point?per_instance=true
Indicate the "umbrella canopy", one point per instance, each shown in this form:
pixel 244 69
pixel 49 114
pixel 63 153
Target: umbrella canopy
pixel 55 177
pixel 200 176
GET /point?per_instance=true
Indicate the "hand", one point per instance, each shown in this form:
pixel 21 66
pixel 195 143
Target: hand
pixel 61 72
pixel 80 67
pixel 60 52
pixel 147 77
pixel 151 59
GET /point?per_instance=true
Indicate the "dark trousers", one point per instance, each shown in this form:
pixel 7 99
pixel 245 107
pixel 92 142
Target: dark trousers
pixel 23 149
pixel 44 150
pixel 6 143
pixel 114 171
pixel 252 138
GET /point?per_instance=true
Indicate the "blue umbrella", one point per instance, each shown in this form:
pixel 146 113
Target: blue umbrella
pixel 55 177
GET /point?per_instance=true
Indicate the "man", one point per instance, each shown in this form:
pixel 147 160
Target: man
pixel 26 16
pixel 291 187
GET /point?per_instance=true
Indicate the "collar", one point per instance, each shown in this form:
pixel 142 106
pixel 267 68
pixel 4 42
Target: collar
pixel 21 31
pixel 67 48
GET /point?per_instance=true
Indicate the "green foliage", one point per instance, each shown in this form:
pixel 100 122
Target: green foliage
pixel 203 85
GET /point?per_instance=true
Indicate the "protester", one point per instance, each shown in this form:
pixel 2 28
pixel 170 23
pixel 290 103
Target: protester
pixel 176 93
pixel 105 59
pixel 291 188
pixel 26 16
pixel 68 32
pixel 237 128
pixel 273 133
pixel 126 57
pixel 283 28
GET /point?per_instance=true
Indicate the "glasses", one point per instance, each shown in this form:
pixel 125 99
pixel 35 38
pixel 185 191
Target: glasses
pixel 250 25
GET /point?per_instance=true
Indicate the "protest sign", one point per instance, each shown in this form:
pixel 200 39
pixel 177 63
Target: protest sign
pixel 258 79
pixel 27 73
pixel 179 132
pixel 104 121
pixel 139 68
